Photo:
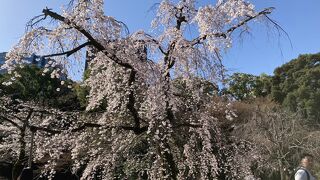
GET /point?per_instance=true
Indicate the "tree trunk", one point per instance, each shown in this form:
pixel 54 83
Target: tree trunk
pixel 18 165
pixel 281 171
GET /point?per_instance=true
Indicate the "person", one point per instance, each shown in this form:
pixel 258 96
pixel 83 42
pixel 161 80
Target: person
pixel 303 172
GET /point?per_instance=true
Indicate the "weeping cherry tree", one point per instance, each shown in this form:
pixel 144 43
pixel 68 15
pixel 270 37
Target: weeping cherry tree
pixel 157 120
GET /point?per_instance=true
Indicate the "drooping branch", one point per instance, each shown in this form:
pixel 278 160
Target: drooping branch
pixel 35 21
pixel 24 121
pixel 264 12
pixel 136 129
pixel 13 116
pixel 199 39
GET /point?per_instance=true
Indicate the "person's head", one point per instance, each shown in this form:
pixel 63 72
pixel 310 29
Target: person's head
pixel 306 160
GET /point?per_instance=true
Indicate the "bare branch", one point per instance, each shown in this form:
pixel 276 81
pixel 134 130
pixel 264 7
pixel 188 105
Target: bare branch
pixel 279 28
pixel 35 21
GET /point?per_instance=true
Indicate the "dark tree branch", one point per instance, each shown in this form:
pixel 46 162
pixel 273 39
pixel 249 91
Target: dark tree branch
pixel 134 129
pixel 37 128
pixel 169 62
pixel 112 56
pixel 279 28
pixel 180 19
pixel 168 59
pixel 156 42
pixel 35 21
pixel 57 16
pixel 199 39
pixel 132 101
pixel 264 12
pixel 91 39
pixel 11 122
pixel 69 53
pixel 188 125
pixel 29 115
pixel 93 125
pixel 86 125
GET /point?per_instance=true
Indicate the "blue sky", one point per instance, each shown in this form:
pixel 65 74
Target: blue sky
pixel 259 52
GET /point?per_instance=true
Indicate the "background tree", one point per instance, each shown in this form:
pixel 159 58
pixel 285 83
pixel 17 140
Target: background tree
pixel 296 85
pixel 242 86
pixel 30 84
pixel 279 135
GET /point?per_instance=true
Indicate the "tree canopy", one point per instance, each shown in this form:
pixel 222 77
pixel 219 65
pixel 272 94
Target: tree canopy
pixel 296 85
pixel 242 86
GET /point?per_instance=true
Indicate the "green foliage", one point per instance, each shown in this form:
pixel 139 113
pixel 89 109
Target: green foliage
pixel 205 86
pixel 31 85
pixel 296 85
pixel 82 92
pixel 244 86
